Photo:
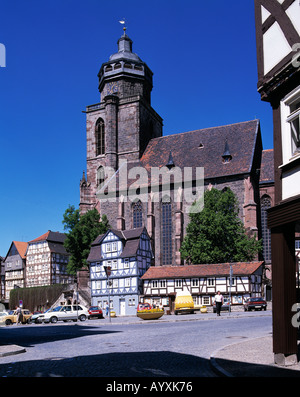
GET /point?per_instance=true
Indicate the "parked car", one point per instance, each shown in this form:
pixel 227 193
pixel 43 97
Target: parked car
pixel 257 303
pixel 9 319
pixel 95 312
pixel 65 313
pixel 35 318
pixel 224 307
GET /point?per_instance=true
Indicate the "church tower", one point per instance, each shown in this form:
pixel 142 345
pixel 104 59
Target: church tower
pixel 122 124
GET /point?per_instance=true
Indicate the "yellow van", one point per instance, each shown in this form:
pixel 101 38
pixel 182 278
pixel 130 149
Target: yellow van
pixel 184 303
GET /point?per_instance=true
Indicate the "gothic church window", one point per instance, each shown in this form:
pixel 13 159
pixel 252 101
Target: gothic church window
pixel 100 137
pixel 166 232
pixel 266 234
pixel 137 214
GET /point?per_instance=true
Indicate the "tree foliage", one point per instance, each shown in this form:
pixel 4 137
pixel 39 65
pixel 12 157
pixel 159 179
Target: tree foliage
pixel 216 234
pixel 82 231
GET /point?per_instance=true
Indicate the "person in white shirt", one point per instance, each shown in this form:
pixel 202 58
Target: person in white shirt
pixel 219 302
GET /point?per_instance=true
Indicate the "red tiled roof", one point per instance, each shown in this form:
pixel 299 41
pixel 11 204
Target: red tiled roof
pixel 206 270
pixel 21 247
pixel 41 238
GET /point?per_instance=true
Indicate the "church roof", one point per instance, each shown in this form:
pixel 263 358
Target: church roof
pixel 205 148
pixel 267 166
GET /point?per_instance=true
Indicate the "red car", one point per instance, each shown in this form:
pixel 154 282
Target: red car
pixel 257 303
pixel 144 306
pixel 95 312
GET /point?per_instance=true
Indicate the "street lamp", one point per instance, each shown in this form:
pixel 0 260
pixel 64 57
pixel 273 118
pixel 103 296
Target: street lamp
pixel 108 273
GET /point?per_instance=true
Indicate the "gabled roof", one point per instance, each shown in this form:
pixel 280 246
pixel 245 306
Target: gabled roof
pixel 21 247
pixel 130 239
pixel 206 270
pixel 50 236
pixel 55 241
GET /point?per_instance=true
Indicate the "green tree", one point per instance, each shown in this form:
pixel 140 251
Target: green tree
pixel 216 234
pixel 82 231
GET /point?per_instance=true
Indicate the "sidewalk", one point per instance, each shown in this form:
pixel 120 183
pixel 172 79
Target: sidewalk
pixel 250 358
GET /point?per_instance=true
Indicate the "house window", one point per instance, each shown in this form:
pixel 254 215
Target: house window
pixel 195 282
pixel 178 283
pixel 127 282
pixel 114 265
pixel 100 137
pixel 154 283
pixel 126 263
pixel 162 283
pixel 265 204
pixel 294 120
pixel 114 247
pixel 211 282
pixel 205 300
pixel 137 214
pixel 115 283
pixel 166 235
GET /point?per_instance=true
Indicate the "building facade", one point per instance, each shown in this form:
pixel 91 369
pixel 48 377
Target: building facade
pixel 124 136
pixel 278 63
pixel 161 284
pixel 15 267
pixel 128 254
pixel 46 260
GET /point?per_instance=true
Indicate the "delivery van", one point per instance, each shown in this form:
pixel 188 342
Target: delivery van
pixel 184 303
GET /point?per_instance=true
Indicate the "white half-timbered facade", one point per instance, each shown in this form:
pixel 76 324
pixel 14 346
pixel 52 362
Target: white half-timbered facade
pixel 278 65
pixel 202 281
pixel 129 254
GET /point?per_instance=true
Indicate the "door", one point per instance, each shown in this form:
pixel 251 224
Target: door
pixel 122 307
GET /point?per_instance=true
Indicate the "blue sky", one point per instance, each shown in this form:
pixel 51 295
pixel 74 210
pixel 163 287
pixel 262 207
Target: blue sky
pixel 202 54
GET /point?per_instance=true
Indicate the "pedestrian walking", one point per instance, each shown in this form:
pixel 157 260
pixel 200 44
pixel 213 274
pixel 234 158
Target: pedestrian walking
pixel 107 308
pixel 219 302
pixel 19 315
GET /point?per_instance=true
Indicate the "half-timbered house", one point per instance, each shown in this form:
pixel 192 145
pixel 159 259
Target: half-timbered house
pixel 15 267
pixel 202 281
pixel 128 254
pixel 46 260
pixel 278 64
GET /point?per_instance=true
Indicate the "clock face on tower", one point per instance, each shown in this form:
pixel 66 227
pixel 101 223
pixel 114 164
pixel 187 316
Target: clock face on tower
pixel 112 88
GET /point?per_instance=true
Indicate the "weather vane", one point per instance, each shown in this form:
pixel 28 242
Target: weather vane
pixel 123 22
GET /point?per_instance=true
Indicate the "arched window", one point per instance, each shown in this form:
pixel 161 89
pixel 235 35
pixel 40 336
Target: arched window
pixel 166 231
pixel 100 137
pixel 266 234
pixel 137 214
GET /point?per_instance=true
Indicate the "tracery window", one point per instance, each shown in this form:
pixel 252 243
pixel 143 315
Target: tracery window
pixel 266 234
pixel 166 232
pixel 137 214
pixel 100 137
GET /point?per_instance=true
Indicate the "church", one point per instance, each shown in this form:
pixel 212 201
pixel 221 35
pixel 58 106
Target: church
pixel 125 143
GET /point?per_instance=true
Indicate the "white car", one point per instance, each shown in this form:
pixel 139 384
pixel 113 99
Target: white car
pixel 65 313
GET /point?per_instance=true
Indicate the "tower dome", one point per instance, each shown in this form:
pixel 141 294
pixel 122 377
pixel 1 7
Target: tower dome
pixel 125 74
